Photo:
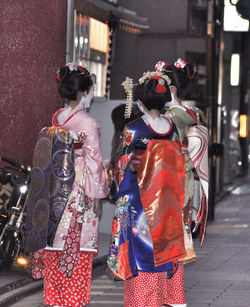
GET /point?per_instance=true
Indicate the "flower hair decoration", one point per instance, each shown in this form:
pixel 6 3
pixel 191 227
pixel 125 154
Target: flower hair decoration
pixel 180 63
pixel 73 66
pixel 161 66
pixel 128 87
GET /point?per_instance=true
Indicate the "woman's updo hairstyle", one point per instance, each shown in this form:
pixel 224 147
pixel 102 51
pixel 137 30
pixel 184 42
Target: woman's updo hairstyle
pixel 73 78
pixel 153 92
pixel 180 74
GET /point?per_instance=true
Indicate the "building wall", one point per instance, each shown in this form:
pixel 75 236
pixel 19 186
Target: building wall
pixel 101 110
pixel 167 39
pixel 32 47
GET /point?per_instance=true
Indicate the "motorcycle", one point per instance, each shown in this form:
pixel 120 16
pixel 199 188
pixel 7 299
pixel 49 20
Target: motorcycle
pixel 12 213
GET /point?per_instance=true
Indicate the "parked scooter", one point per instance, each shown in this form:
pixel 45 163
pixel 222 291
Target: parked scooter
pixel 12 215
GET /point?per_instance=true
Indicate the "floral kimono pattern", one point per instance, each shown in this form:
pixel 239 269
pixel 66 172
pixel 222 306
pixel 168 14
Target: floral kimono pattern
pixel 139 242
pixel 90 182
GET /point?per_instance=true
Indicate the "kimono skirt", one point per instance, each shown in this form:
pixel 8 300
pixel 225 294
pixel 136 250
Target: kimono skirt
pixel 149 287
pixel 74 290
pixel 62 291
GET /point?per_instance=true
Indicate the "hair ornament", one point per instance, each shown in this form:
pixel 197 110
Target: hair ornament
pixel 58 76
pixel 128 87
pixel 151 74
pixel 161 66
pixel 180 63
pixel 72 66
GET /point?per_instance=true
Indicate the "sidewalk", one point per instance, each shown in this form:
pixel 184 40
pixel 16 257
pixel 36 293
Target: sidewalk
pixel 220 277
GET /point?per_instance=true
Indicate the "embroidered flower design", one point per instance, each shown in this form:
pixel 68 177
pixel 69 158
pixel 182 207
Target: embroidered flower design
pixel 113 250
pixel 72 205
pixel 81 136
pixel 87 202
pixel 122 166
pixel 128 137
pixel 65 190
pixel 160 66
pixel 135 230
pixel 145 140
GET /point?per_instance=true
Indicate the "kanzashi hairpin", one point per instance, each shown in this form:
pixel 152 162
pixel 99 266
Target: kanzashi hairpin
pixel 150 74
pixel 128 87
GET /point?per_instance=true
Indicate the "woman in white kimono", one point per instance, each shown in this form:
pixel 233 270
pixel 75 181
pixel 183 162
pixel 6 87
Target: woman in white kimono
pixel 194 140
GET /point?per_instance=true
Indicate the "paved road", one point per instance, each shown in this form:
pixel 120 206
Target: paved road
pixel 220 277
pixel 104 292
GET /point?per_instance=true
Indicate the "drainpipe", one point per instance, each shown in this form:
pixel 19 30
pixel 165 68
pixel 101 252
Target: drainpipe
pixel 220 40
pixel 244 106
pixel 70 32
pixel 210 90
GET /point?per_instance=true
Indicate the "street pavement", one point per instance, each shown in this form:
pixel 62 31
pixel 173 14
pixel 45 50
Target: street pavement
pixel 220 277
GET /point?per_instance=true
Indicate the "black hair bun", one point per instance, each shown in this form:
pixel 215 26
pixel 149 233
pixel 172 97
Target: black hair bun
pixel 63 73
pixel 190 70
pixel 150 85
pixel 71 81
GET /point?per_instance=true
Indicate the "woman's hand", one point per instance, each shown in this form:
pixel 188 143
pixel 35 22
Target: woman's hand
pixel 97 207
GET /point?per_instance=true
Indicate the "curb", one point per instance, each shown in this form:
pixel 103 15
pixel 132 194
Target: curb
pixel 20 292
pixel 21 288
pixel 14 285
pixel 240 180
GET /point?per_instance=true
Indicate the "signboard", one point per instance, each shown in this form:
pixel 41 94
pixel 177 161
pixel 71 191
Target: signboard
pixel 232 20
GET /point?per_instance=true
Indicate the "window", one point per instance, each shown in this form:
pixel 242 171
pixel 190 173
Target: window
pixel 91 48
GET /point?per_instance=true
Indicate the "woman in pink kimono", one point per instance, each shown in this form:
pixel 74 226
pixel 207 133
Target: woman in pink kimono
pixel 68 261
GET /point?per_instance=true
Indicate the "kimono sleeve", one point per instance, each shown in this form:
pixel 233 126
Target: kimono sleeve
pixel 96 184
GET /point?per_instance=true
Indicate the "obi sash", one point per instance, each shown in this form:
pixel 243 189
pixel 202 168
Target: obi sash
pixel 52 178
pixel 161 180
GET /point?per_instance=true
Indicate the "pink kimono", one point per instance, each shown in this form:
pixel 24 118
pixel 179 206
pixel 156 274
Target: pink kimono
pixel 68 263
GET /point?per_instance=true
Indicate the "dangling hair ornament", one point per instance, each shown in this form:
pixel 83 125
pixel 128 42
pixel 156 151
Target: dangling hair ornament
pixel 128 87
pixel 180 63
